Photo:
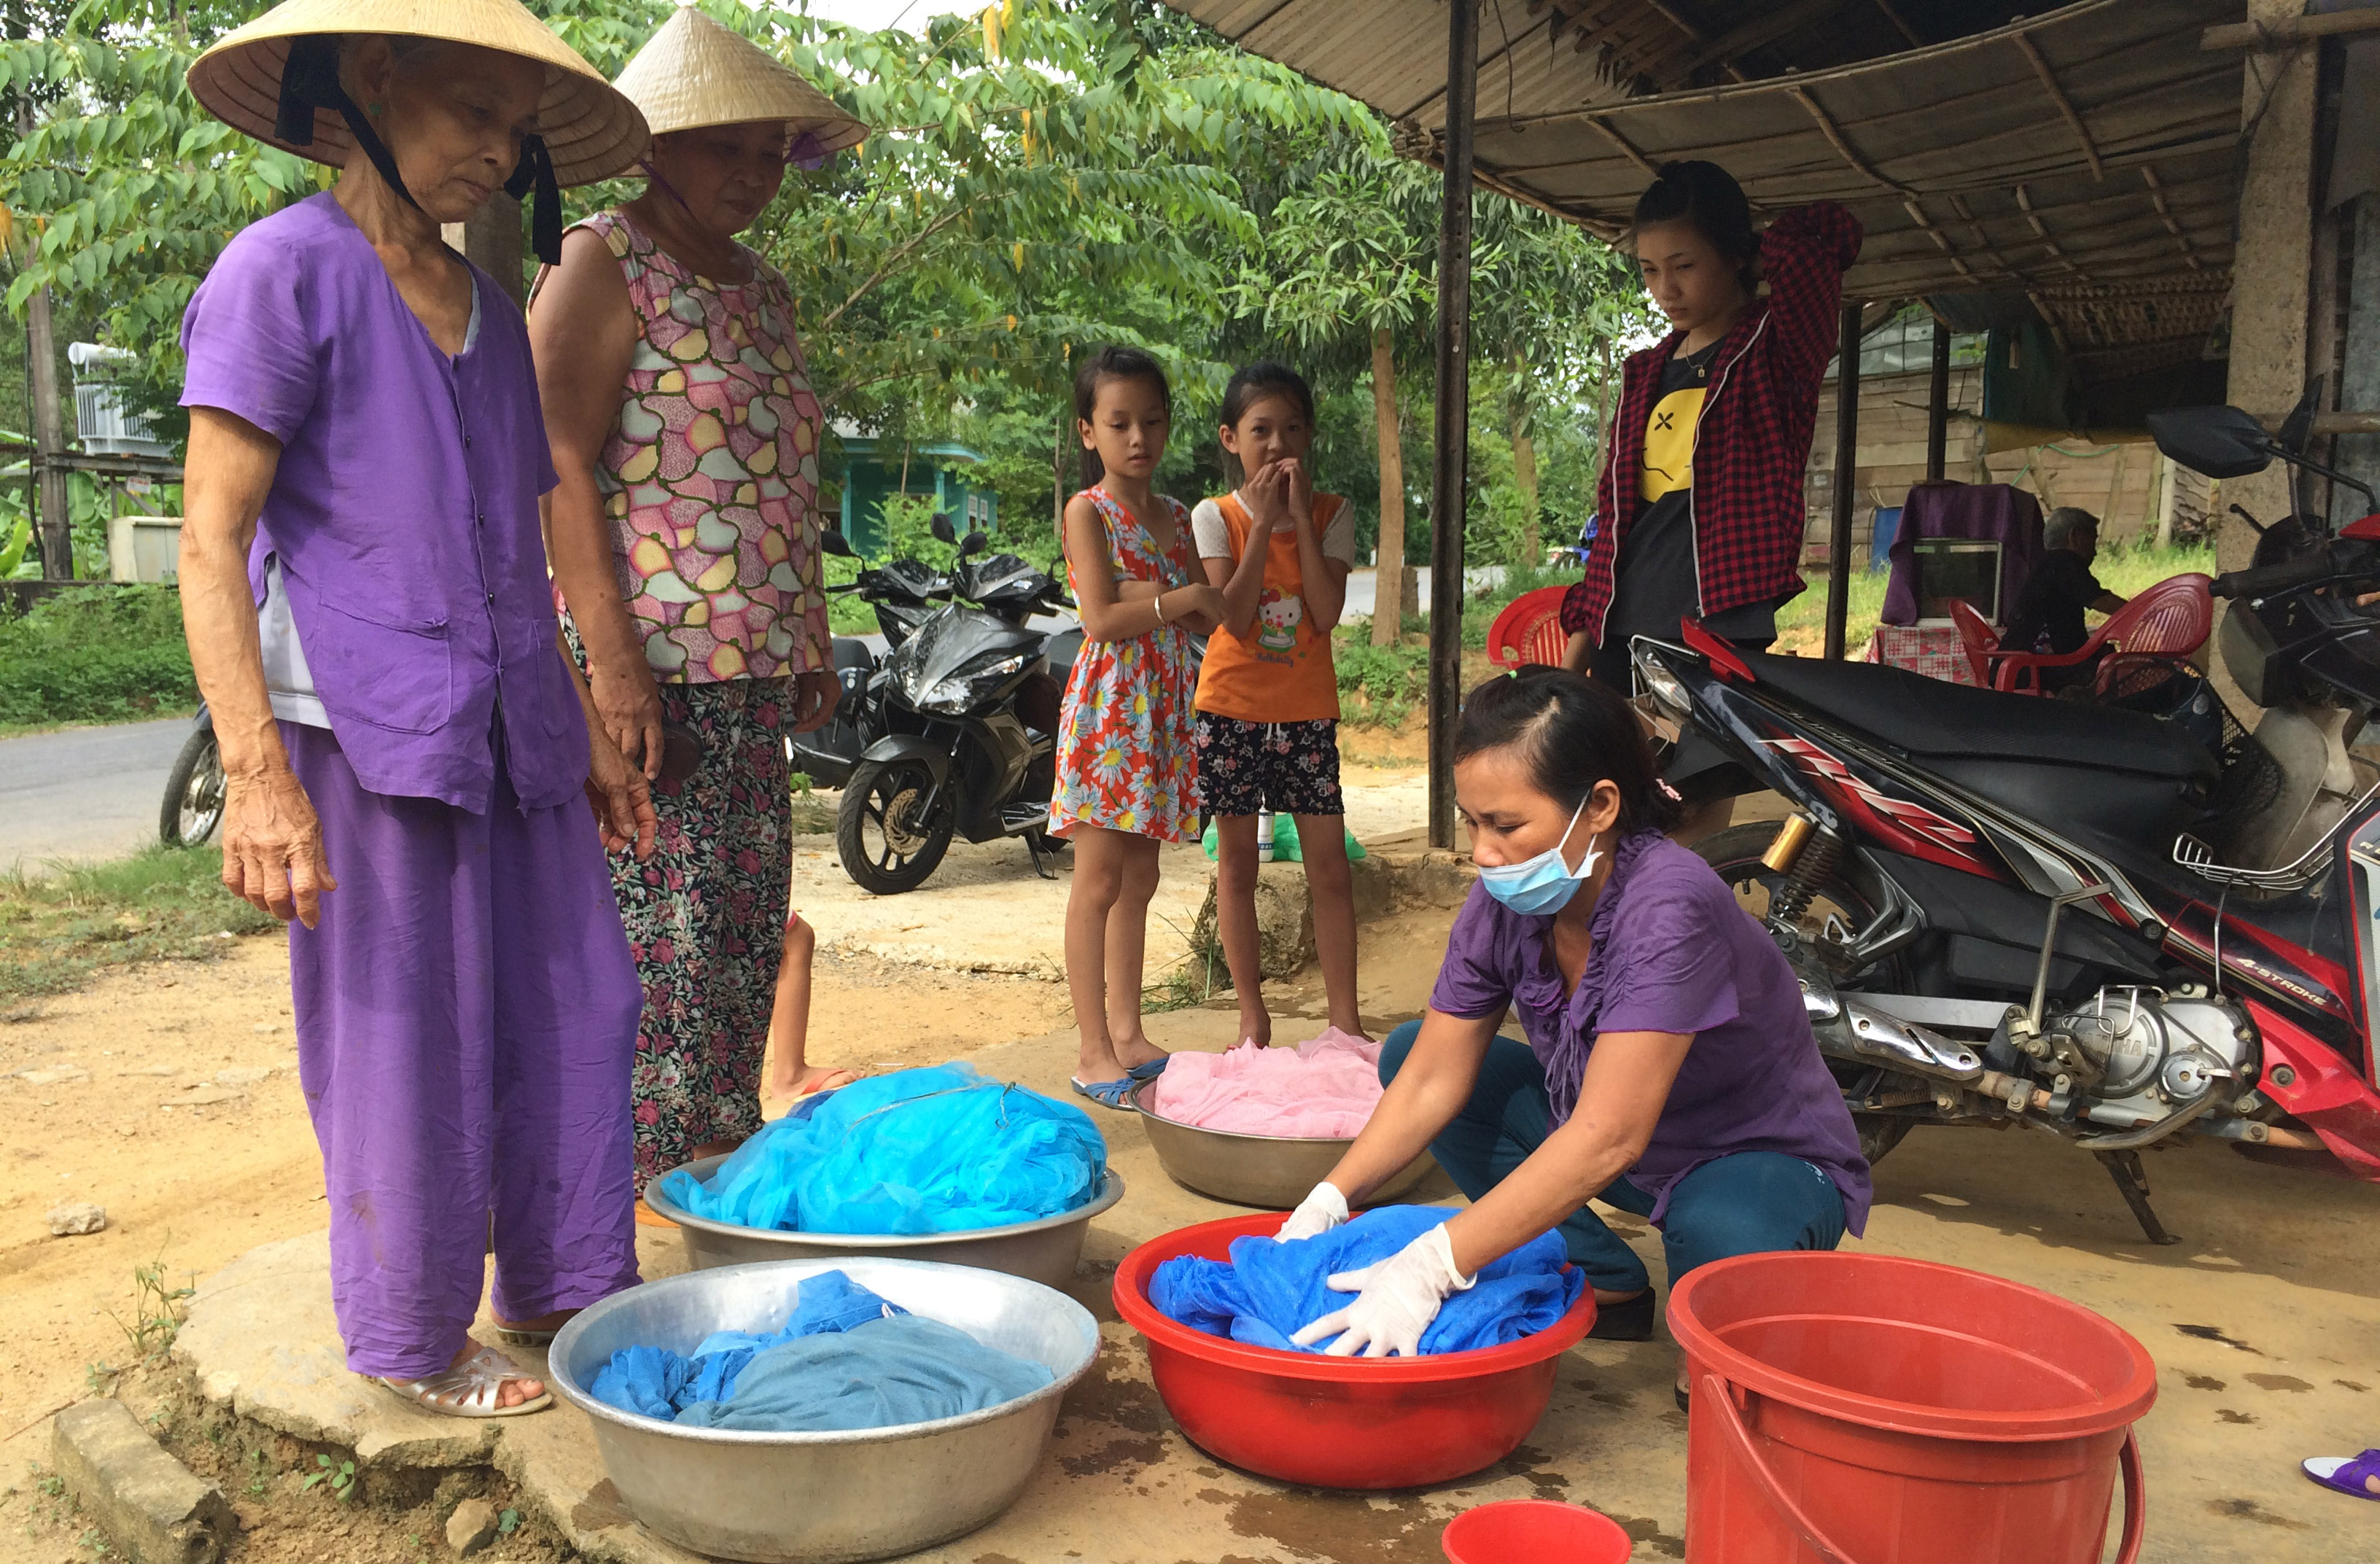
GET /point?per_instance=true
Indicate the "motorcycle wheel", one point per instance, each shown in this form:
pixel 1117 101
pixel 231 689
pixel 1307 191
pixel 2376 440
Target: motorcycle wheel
pixel 194 792
pixel 884 846
pixel 1836 910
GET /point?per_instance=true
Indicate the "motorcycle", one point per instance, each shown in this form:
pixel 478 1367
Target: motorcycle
pixel 194 788
pixel 2083 918
pixel 954 732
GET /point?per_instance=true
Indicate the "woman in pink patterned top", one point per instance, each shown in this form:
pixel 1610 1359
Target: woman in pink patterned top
pixel 683 536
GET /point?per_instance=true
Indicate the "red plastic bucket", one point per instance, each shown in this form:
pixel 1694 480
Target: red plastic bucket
pixel 1862 1409
pixel 1534 1531
pixel 1339 1422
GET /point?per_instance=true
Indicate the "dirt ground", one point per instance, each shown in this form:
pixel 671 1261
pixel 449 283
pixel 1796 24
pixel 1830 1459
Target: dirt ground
pixel 168 1095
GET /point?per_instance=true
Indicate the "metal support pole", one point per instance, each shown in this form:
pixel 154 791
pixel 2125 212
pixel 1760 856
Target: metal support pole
pixel 1454 432
pixel 1938 408
pixel 1838 553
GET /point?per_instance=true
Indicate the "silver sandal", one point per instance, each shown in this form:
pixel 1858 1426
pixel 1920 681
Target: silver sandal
pixel 470 1389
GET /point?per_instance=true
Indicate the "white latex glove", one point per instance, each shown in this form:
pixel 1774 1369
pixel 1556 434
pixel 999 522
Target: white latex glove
pixel 1321 1211
pixel 1395 1301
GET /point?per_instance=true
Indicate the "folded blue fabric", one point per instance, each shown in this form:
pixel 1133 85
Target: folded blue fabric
pixel 656 1382
pixel 878 1375
pixel 1268 1291
pixel 935 1150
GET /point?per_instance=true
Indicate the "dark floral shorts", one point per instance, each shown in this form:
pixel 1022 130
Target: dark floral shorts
pixel 1290 767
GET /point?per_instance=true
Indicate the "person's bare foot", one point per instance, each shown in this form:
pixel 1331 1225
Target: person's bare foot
pixel 544 1325
pixel 514 1389
pixel 1133 1052
pixel 807 1081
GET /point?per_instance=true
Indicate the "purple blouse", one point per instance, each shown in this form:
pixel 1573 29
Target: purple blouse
pixel 1672 953
pixel 404 512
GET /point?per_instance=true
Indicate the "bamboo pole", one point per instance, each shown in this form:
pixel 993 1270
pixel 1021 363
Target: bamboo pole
pixel 1838 553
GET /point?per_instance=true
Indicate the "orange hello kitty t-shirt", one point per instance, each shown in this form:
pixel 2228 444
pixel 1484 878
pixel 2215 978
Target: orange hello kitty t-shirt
pixel 1281 672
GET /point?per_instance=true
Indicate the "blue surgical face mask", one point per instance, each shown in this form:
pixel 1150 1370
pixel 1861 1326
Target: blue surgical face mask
pixel 1543 884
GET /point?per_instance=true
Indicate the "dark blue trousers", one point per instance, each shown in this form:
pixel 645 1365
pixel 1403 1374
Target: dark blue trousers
pixel 1746 1203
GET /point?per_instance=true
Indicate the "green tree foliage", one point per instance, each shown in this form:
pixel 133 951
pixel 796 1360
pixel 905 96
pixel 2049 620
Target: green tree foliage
pixel 1043 175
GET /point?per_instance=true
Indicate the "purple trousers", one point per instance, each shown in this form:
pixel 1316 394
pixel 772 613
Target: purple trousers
pixel 467 1017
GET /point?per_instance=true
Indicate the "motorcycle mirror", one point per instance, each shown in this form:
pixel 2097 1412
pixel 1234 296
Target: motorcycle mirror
pixel 2298 427
pixel 943 528
pixel 974 543
pixel 832 541
pixel 2213 441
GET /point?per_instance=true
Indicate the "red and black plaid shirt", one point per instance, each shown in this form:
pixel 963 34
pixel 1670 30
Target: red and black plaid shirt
pixel 1752 440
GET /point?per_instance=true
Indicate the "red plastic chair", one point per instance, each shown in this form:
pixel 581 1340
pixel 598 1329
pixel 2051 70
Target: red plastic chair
pixel 1529 630
pixel 2171 619
pixel 1976 635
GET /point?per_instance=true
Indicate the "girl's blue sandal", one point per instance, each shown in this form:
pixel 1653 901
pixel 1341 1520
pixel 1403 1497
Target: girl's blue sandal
pixel 1141 1074
pixel 2345 1472
pixel 1107 1093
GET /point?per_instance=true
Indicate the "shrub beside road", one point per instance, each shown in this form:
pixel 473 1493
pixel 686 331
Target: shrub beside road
pixel 94 654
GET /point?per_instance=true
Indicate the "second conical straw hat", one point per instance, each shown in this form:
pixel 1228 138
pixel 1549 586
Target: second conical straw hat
pixel 696 73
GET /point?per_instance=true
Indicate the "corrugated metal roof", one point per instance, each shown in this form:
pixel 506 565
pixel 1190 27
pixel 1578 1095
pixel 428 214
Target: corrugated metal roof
pixel 2087 156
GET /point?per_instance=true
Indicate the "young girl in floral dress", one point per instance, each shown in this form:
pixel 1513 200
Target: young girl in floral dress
pixel 1127 758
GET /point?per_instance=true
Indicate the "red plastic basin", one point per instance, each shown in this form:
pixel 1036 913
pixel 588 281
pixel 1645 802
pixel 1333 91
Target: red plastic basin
pixel 1534 1531
pixel 1339 1422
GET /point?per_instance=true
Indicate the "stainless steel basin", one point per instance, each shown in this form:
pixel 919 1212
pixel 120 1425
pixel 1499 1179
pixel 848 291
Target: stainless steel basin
pixel 1045 1250
pixel 1273 1171
pixel 823 1498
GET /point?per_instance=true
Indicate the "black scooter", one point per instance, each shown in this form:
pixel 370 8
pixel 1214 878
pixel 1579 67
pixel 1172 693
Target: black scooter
pixel 955 731
pixel 194 788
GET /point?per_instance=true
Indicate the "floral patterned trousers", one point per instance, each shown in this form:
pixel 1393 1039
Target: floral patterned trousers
pixel 706 915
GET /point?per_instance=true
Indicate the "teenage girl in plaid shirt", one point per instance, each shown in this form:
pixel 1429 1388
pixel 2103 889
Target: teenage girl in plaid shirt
pixel 1701 496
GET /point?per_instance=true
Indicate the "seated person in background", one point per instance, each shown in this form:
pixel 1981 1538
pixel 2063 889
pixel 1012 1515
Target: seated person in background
pixel 2050 608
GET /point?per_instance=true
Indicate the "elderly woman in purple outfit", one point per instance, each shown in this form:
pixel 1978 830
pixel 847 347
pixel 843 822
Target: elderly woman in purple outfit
pixel 1670 1069
pixel 406 743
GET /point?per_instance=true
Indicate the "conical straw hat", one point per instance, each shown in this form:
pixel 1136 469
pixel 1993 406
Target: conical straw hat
pixel 590 130
pixel 696 73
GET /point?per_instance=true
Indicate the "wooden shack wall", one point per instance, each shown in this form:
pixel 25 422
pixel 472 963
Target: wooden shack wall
pixel 2124 484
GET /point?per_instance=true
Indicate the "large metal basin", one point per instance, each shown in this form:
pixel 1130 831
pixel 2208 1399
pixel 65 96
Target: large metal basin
pixel 1273 1171
pixel 1045 1250
pixel 823 1498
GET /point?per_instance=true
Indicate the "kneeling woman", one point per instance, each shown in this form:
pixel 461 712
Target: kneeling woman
pixel 1670 1069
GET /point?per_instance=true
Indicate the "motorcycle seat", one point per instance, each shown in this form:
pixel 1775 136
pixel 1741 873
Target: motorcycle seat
pixel 1942 721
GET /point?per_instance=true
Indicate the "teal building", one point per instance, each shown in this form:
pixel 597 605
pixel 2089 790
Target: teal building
pixel 952 473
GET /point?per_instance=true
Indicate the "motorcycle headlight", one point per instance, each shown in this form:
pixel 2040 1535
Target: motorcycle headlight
pixel 955 693
pixel 1663 687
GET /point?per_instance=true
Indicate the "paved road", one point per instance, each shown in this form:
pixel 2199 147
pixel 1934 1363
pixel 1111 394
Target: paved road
pixel 1360 585
pixel 87 792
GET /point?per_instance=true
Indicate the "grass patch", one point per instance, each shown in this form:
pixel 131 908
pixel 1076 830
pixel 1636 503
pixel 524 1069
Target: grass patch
pixel 164 904
pixel 1195 978
pixel 95 654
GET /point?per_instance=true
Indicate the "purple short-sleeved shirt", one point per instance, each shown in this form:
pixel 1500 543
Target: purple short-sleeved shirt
pixel 404 512
pixel 1673 952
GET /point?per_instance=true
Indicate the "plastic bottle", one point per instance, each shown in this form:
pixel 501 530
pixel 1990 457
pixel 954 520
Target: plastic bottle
pixel 1264 836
